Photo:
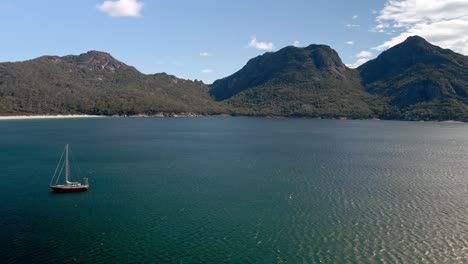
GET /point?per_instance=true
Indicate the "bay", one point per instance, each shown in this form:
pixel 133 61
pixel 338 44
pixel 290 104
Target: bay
pixel 236 190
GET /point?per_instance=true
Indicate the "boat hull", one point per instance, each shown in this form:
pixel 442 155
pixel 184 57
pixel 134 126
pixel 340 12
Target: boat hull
pixel 68 189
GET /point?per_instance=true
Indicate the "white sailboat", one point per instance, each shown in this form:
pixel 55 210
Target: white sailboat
pixel 68 185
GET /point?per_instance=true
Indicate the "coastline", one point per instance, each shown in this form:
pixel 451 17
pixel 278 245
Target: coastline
pixel 196 115
pixel 172 115
pixel 25 117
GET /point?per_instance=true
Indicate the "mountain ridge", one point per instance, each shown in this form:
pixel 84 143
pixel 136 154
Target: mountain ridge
pixel 422 80
pixel 413 80
pixel 311 81
pixel 96 83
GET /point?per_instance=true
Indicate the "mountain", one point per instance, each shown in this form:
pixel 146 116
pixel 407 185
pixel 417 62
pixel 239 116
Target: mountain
pixel 421 81
pixel 414 80
pixel 310 81
pixel 95 83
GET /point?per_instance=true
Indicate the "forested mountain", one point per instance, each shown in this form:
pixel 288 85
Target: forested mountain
pixel 95 83
pixel 422 81
pixel 311 81
pixel 414 80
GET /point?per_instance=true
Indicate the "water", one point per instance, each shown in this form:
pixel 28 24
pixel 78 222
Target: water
pixel 236 190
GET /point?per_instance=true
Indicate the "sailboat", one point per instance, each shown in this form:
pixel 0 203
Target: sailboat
pixel 68 185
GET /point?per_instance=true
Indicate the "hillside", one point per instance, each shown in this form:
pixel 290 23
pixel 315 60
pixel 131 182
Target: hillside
pixel 95 83
pixel 311 81
pixel 422 81
pixel 414 80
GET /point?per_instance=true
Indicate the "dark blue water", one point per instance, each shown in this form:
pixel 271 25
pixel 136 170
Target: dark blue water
pixel 236 190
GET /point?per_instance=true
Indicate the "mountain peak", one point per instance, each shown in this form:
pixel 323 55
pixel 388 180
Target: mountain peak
pixel 96 61
pixel 416 39
pixel 413 51
pixel 288 65
pixel 417 43
pixel 416 71
pixel 97 54
pixel 318 46
pixel 326 58
pixel 97 57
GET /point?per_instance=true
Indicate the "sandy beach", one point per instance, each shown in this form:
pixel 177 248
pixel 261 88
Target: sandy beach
pixel 46 117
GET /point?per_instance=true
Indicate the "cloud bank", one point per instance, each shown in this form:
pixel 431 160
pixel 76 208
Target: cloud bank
pixel 121 8
pixel 358 63
pixel 364 54
pixel 443 23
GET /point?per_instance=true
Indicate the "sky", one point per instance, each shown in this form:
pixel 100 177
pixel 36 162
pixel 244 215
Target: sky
pixel 211 39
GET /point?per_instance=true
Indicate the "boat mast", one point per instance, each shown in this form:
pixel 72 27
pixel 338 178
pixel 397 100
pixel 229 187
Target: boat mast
pixel 66 165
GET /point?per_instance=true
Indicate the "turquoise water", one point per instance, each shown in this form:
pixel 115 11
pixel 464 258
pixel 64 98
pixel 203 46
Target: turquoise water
pixel 236 190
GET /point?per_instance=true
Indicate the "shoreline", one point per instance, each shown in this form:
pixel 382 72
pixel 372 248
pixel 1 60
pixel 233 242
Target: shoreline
pixel 195 115
pixel 27 117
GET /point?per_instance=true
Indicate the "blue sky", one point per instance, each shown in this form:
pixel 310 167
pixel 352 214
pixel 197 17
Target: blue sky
pixel 209 39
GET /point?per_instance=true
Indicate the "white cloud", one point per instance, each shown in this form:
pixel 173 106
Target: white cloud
pixel 296 43
pixel 349 25
pixel 443 23
pixel 355 17
pixel 362 57
pixel 207 71
pixel 119 8
pixel 364 54
pixel 205 54
pixel 260 45
pixel 350 42
pixel 358 63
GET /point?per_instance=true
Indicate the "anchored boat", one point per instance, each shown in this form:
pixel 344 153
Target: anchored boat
pixel 68 185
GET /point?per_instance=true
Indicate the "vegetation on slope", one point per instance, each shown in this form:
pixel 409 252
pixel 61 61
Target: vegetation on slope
pixel 96 83
pixel 311 81
pixel 421 81
pixel 412 81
